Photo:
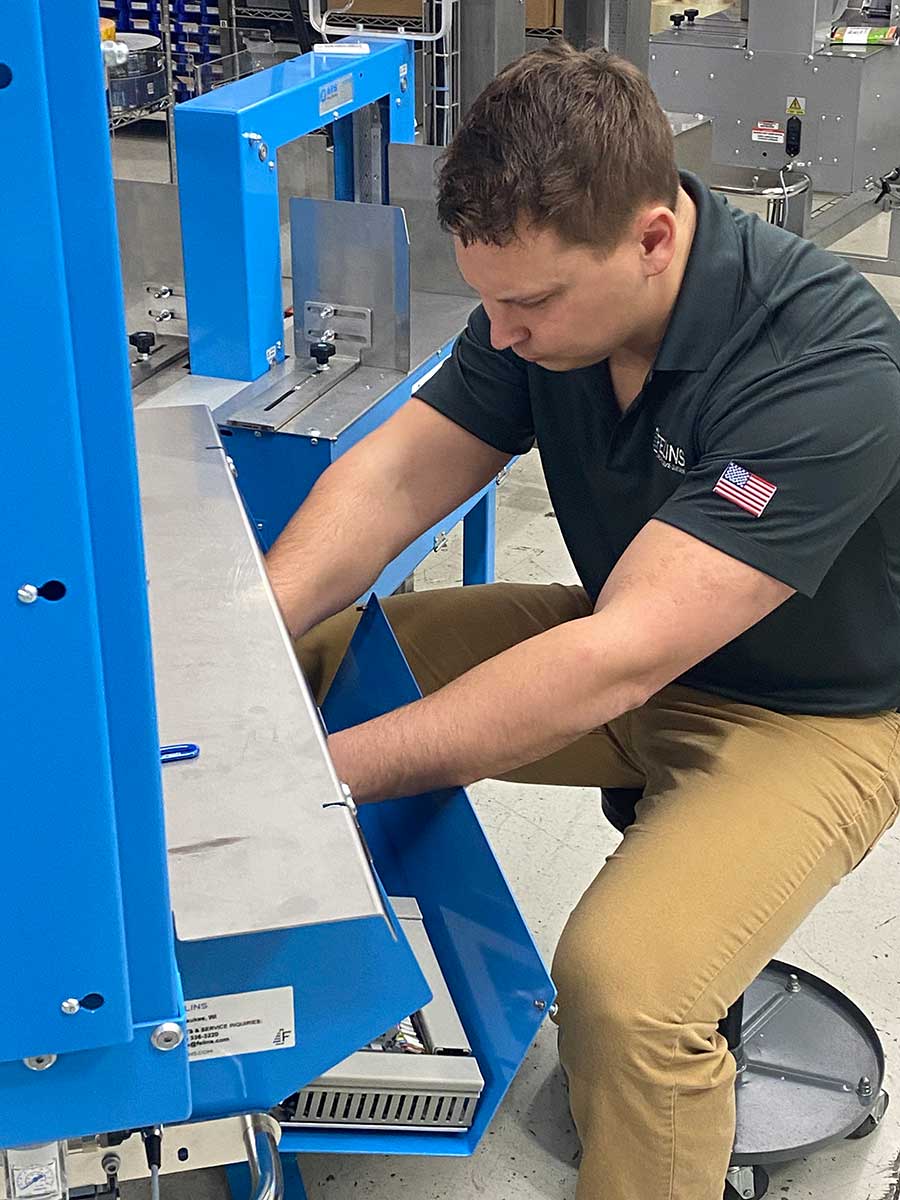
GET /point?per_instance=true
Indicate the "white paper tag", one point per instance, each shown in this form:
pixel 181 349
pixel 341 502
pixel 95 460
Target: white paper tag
pixel 333 95
pixel 856 35
pixel 242 1023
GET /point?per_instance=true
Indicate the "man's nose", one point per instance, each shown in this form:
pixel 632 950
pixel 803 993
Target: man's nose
pixel 506 333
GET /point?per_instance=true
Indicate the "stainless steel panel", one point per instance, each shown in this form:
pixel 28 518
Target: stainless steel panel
pixel 491 34
pixel 355 254
pixel 878 133
pixel 206 1143
pixel 738 91
pixel 693 143
pixel 149 245
pixel 276 405
pixel 368 165
pixel 414 188
pixel 436 319
pixel 621 25
pixel 251 845
pixel 789 28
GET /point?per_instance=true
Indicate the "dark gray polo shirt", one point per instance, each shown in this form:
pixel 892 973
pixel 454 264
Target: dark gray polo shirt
pixel 769 428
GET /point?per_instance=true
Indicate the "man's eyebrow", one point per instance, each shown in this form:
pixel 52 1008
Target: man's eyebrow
pixel 543 293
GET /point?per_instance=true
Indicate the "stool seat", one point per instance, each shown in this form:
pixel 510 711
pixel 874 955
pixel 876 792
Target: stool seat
pixel 815 1062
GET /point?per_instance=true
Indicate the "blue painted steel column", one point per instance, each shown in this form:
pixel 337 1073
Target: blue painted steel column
pixel 228 189
pixel 85 923
pixel 480 538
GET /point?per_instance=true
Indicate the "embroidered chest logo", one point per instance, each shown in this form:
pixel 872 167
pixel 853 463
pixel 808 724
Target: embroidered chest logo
pixel 746 490
pixel 671 457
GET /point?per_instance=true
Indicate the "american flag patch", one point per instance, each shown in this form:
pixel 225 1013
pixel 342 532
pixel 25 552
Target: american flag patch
pixel 745 489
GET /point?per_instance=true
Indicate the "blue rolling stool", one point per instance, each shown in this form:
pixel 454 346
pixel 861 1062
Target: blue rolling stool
pixel 810 1064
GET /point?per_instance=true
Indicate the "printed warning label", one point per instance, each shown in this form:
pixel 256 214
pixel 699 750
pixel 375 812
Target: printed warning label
pixel 768 131
pixel 242 1023
pixel 796 106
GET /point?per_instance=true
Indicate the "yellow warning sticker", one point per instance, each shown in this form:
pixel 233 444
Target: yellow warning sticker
pixel 796 106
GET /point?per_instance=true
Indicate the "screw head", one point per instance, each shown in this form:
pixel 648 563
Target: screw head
pixel 864 1087
pixel 540 1005
pixel 40 1062
pixel 27 593
pixel 262 151
pixel 70 1006
pixel 793 984
pixel 167 1036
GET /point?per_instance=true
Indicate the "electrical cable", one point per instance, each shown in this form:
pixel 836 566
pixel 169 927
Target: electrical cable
pixel 301 29
pixel 784 207
pixel 152 1139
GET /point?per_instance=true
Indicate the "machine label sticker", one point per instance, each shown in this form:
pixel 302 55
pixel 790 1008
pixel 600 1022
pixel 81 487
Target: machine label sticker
pixel 335 94
pixel 795 106
pixel 242 1023
pixel 768 131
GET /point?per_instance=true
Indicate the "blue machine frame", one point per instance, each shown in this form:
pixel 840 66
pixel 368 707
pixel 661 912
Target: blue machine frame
pixel 232 247
pixel 83 807
pixel 86 907
pixel 232 262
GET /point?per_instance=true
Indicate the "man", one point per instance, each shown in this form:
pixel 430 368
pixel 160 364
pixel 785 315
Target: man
pixel 717 407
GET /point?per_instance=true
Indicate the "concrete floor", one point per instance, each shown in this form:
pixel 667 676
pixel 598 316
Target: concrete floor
pixel 550 842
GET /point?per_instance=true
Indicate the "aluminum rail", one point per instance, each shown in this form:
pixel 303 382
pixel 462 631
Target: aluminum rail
pixel 319 21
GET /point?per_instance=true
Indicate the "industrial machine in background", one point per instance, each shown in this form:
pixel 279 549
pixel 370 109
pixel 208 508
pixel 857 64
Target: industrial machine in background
pixel 807 89
pixel 197 922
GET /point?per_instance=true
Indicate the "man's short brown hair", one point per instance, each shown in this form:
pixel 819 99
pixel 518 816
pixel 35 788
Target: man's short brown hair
pixel 568 140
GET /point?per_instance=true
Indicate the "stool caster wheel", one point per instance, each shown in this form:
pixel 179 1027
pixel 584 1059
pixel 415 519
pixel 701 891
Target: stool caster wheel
pixel 746 1183
pixel 873 1120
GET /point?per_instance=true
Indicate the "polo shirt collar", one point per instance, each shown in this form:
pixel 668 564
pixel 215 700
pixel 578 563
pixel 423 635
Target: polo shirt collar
pixel 710 292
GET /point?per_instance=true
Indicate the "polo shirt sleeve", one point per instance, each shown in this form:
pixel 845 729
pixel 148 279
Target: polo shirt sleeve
pixel 793 464
pixel 484 390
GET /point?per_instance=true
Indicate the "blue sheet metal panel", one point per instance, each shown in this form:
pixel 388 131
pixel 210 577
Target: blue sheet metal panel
pixel 122 1087
pixel 88 221
pixel 499 984
pixel 352 980
pixel 57 807
pixel 231 247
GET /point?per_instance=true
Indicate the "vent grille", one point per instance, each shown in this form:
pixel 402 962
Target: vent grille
pixel 422 1110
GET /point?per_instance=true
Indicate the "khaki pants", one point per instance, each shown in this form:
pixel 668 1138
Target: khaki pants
pixel 748 819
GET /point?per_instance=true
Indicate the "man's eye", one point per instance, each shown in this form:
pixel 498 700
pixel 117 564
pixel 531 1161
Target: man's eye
pixel 535 303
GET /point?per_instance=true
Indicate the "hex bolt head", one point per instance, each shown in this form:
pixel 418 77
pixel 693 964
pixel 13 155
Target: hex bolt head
pixel 70 1006
pixel 793 984
pixel 167 1036
pixel 262 151
pixel 864 1087
pixel 27 593
pixel 540 1005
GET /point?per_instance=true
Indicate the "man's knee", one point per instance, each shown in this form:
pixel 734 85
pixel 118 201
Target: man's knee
pixel 615 1004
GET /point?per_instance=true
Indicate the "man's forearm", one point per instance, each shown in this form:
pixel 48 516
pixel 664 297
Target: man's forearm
pixel 513 709
pixel 333 549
